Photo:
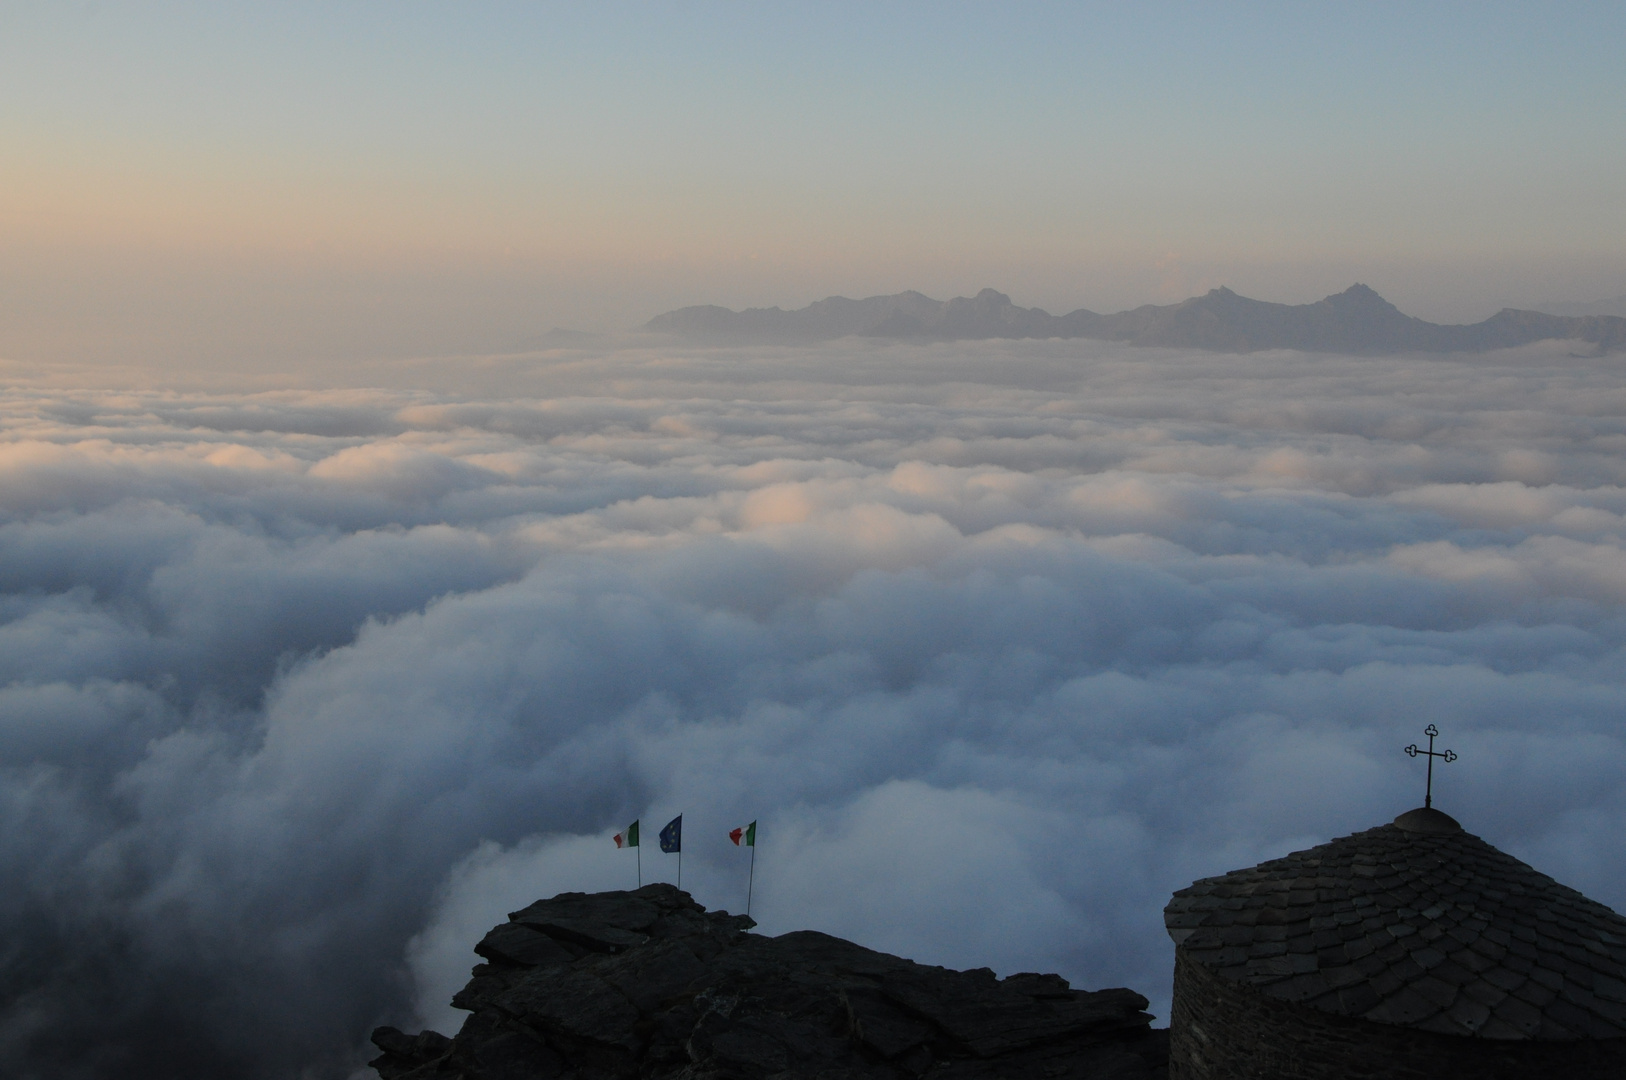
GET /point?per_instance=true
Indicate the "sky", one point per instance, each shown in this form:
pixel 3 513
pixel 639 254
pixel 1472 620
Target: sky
pixel 342 611
pixel 229 182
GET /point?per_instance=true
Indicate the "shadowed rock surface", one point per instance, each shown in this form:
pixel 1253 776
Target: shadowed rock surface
pixel 1356 320
pixel 649 984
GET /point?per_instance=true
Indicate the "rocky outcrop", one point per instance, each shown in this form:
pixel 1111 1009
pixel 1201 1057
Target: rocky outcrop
pixel 1356 320
pixel 649 984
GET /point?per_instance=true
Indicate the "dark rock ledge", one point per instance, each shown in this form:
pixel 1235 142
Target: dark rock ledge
pixel 650 985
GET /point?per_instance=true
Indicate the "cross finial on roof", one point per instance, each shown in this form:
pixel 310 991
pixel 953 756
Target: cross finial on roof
pixel 1449 755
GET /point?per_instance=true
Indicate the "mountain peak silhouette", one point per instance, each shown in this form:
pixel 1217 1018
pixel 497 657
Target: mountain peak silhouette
pixel 1357 320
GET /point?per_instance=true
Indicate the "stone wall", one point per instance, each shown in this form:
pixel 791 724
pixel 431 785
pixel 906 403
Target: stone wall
pixel 1220 1030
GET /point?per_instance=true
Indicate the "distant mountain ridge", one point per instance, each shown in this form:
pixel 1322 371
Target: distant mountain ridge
pixel 1356 320
pixel 1617 306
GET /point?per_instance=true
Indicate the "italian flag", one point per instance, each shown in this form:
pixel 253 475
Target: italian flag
pixel 628 837
pixel 748 834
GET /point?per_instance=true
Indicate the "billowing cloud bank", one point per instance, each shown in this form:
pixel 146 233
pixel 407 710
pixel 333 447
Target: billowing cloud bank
pixel 1001 643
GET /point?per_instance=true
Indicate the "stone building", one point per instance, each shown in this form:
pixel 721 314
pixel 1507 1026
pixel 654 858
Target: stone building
pixel 1410 950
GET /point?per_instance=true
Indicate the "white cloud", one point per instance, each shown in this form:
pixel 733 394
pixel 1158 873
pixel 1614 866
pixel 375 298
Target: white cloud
pixel 1000 642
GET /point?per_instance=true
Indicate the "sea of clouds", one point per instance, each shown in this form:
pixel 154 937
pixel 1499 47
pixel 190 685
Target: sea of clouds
pixel 305 687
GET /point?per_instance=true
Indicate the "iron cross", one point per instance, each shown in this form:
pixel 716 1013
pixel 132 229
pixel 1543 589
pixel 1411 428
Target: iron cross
pixel 1431 754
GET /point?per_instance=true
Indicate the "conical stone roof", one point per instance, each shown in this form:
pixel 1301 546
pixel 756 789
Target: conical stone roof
pixel 1418 924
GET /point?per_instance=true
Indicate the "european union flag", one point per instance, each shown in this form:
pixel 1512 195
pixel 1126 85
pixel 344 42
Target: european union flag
pixel 672 835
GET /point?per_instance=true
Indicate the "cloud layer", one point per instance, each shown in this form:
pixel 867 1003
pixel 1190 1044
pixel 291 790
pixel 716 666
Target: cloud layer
pixel 1001 643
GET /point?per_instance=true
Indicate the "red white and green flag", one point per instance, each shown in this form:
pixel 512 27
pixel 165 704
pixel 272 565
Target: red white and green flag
pixel 628 837
pixel 746 834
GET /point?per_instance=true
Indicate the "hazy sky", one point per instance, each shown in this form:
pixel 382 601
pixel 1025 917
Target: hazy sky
pixel 204 182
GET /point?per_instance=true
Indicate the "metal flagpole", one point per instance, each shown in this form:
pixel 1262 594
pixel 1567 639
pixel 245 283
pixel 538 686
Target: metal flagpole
pixel 628 837
pixel 748 833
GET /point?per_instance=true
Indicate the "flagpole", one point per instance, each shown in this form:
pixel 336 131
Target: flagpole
pixel 640 866
pixel 752 880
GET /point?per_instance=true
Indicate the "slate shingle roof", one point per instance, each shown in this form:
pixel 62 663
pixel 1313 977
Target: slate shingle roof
pixel 1418 924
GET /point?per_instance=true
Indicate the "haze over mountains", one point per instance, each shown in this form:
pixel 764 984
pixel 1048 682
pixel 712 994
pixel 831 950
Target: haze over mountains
pixel 1617 306
pixel 1356 320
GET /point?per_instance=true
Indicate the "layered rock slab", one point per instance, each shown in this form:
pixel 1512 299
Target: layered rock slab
pixel 649 984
